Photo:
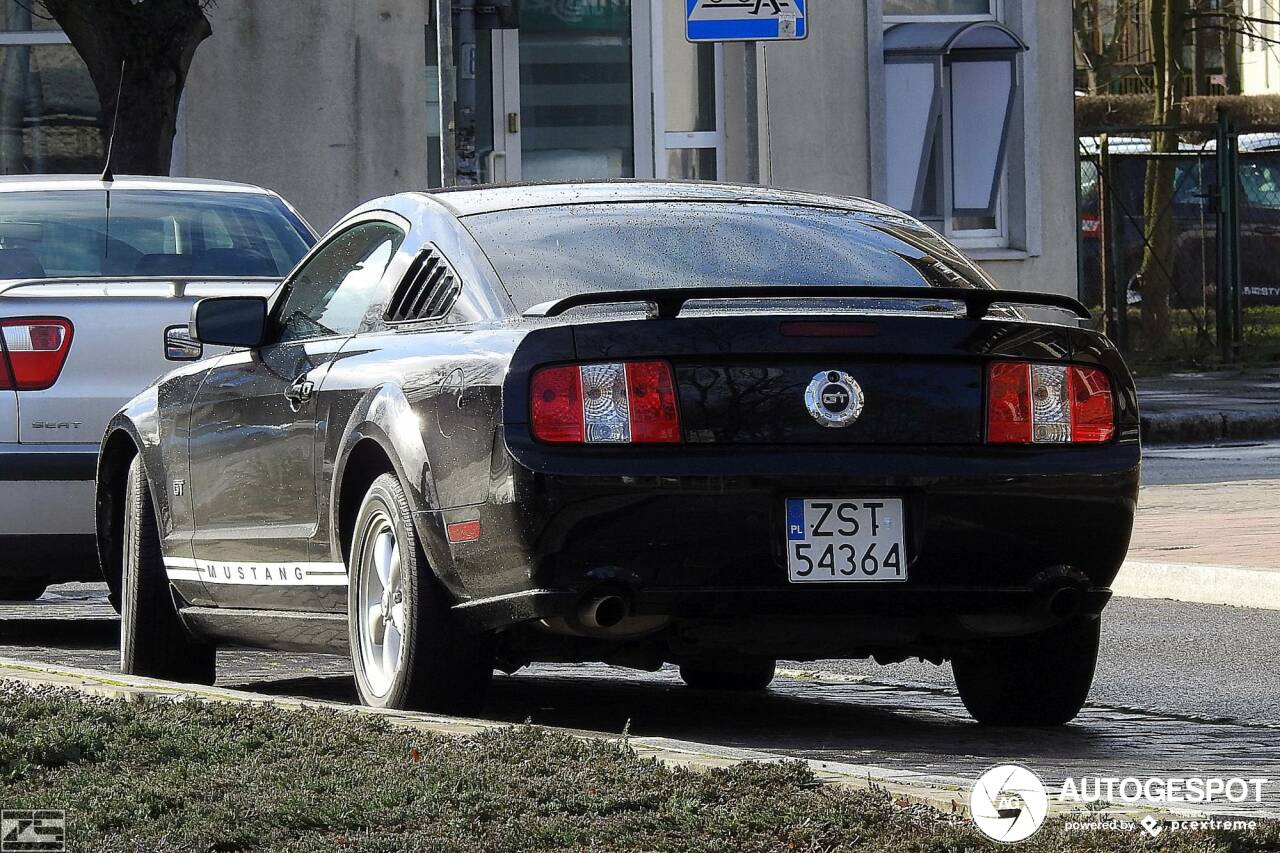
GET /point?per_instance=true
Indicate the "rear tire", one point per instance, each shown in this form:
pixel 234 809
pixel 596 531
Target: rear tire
pixel 22 590
pixel 408 649
pixel 735 674
pixel 153 642
pixel 1041 680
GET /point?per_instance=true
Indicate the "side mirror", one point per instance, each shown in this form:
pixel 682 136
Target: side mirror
pixel 231 321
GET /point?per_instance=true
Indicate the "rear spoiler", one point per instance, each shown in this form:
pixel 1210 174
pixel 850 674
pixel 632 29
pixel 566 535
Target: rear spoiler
pixel 666 303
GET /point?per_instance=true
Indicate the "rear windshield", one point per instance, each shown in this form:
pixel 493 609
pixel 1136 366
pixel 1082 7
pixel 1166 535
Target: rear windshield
pixel 548 253
pixel 67 233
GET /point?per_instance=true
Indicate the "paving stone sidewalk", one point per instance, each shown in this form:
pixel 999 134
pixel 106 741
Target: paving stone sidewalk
pixel 1215 406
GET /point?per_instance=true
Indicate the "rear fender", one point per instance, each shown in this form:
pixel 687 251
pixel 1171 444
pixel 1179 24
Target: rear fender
pixel 386 417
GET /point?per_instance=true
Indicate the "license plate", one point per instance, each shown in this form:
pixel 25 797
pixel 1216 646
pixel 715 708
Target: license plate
pixel 845 540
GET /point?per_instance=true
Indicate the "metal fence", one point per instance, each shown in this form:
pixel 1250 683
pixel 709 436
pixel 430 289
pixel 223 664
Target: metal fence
pixel 1183 268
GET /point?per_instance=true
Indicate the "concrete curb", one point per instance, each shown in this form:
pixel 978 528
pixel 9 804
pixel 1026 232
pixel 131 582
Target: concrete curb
pixel 1193 427
pixel 1234 586
pixel 947 794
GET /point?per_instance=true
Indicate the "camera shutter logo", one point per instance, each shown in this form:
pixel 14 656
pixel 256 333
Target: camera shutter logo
pixel 834 399
pixel 33 831
pixel 1009 803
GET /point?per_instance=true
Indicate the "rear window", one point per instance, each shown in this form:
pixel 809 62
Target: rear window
pixel 548 253
pixel 67 233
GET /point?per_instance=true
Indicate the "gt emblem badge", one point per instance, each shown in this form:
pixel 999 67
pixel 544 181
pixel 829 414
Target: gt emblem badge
pixel 834 399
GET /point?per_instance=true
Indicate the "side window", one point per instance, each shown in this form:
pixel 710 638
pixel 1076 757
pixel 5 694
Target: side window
pixel 331 294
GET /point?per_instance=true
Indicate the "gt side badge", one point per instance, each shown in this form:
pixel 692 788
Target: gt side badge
pixel 834 399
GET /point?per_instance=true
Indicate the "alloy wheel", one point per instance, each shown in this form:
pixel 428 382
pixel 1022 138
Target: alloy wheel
pixel 382 613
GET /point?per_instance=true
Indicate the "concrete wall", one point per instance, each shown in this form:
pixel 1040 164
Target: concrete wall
pixel 813 104
pixel 323 102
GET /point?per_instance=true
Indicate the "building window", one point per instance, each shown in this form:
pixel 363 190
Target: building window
pixel 939 9
pixel 50 120
pixel 949 97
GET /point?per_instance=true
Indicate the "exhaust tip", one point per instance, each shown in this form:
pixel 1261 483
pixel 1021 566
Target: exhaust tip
pixel 605 611
pixel 1066 602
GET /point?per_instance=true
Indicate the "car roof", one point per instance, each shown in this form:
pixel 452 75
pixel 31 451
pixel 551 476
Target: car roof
pixel 36 183
pixel 468 201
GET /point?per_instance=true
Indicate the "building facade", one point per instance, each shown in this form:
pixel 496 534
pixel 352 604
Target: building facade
pixel 1260 48
pixel 957 110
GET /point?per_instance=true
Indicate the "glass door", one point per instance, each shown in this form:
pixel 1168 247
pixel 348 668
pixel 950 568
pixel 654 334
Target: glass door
pixel 555 99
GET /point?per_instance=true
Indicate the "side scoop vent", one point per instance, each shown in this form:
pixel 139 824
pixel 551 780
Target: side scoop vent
pixel 427 291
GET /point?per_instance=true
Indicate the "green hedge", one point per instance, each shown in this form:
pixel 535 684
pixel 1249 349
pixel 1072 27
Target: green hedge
pixel 1097 114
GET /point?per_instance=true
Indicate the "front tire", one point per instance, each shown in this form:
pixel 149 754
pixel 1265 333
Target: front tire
pixel 408 649
pixel 739 674
pixel 152 640
pixel 1041 680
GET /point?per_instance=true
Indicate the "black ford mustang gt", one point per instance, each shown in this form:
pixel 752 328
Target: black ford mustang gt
pixel 640 423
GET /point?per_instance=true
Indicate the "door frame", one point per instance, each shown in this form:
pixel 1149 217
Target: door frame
pixel 504 160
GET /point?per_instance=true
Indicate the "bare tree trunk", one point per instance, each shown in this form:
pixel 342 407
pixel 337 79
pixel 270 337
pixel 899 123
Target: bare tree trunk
pixel 1231 59
pixel 1168 33
pixel 154 43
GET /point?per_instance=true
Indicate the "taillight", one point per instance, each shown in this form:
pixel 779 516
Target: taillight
pixel 1048 404
pixel 35 348
pixel 1093 409
pixel 557 405
pixel 618 403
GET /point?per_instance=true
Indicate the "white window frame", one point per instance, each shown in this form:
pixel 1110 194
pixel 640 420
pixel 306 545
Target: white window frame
pixel 1018 210
pixel 995 15
pixel 665 140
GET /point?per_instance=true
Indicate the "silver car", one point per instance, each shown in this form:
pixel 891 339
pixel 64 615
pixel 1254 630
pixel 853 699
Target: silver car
pixel 97 280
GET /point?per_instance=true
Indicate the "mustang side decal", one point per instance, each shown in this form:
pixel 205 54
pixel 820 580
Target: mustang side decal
pixel 256 572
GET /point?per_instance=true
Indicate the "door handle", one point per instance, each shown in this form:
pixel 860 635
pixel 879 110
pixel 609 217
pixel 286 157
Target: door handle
pixel 491 165
pixel 301 391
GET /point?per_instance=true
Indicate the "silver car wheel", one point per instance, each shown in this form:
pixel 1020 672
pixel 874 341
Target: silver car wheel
pixel 381 612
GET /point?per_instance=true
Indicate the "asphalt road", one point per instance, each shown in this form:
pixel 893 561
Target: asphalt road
pixel 1166 657
pixel 1237 462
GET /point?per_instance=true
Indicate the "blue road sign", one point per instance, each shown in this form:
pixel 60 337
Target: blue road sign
pixel 746 20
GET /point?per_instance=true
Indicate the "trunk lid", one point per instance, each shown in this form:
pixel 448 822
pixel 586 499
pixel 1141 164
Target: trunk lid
pixel 117 348
pixel 790 400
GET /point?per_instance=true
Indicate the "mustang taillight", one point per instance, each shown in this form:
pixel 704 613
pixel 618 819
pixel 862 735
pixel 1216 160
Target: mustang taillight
pixel 1048 404
pixel 35 348
pixel 630 402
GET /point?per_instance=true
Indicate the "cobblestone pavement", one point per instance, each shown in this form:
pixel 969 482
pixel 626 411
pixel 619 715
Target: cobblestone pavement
pixel 851 719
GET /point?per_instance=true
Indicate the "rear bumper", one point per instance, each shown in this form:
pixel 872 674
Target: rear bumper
pixel 950 612
pixel 992 538
pixel 46 511
pixel 48 462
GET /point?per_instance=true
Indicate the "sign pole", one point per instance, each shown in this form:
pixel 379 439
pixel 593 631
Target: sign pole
pixel 751 94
